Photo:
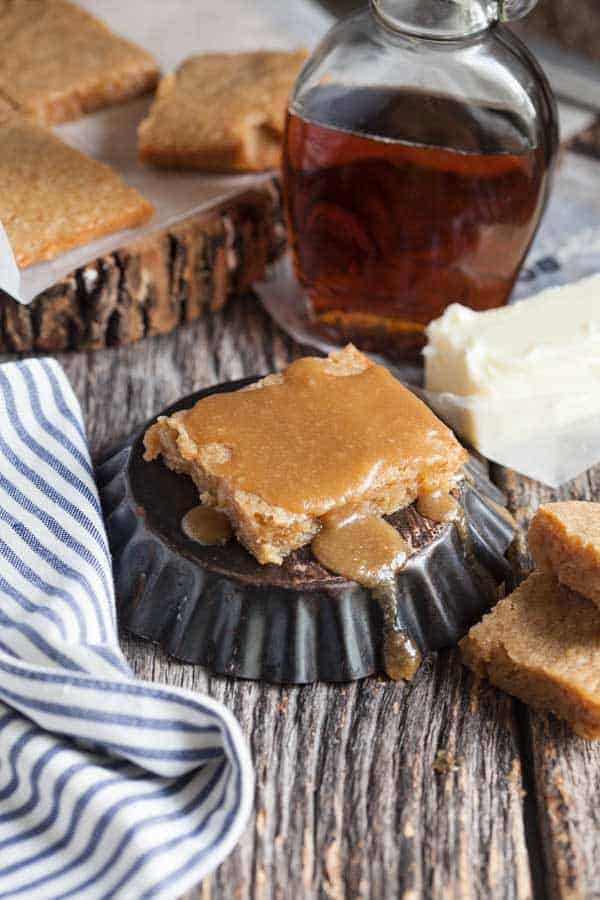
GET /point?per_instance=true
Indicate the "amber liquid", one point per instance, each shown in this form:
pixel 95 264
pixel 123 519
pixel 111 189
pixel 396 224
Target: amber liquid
pixel 386 233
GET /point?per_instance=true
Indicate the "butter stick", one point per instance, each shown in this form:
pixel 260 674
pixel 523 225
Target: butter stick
pixel 522 371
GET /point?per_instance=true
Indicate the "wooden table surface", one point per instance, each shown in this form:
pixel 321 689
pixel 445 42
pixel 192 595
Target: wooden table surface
pixel 349 803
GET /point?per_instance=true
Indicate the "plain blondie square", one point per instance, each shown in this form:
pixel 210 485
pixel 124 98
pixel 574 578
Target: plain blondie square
pixel 564 538
pixel 542 644
pixel 300 433
pixel 221 111
pixel 52 197
pixel 57 61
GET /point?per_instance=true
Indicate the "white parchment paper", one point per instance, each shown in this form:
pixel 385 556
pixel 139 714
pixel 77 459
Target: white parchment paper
pixel 170 30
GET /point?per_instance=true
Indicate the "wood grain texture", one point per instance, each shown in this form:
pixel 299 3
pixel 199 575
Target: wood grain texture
pixel 155 283
pixel 348 802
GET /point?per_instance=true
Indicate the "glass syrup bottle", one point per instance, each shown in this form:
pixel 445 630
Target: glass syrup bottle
pixel 420 142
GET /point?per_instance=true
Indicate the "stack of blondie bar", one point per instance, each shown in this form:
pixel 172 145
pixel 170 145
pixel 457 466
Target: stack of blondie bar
pixel 542 643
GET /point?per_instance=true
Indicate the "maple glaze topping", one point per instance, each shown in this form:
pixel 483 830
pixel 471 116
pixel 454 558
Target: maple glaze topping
pixel 401 656
pixel 370 551
pixel 367 550
pixel 311 439
pixel 206 525
pixel 438 506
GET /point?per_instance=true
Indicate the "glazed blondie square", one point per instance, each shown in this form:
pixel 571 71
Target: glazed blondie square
pixel 321 439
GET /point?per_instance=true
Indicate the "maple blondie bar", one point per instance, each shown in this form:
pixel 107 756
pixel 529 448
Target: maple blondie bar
pixel 324 436
pixel 221 111
pixel 542 644
pixel 52 197
pixel 564 538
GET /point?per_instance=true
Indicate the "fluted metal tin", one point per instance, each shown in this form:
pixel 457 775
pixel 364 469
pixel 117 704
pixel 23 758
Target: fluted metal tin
pixel 295 623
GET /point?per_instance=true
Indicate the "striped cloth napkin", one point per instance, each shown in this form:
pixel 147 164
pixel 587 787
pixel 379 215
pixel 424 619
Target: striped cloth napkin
pixel 109 787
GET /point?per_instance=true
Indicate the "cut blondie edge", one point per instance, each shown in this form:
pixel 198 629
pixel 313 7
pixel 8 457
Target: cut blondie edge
pixel 564 538
pixel 542 645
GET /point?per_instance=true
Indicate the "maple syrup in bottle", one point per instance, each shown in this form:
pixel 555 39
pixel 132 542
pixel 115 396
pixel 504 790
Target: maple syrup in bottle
pixel 402 198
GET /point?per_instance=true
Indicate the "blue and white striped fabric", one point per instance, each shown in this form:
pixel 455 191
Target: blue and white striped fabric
pixel 109 787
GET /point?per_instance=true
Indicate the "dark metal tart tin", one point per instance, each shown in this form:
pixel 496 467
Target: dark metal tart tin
pixel 295 623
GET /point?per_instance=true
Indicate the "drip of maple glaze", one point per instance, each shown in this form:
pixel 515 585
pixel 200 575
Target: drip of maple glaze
pixel 401 656
pixel 206 526
pixel 443 507
pixel 439 506
pixel 364 549
pixel 368 550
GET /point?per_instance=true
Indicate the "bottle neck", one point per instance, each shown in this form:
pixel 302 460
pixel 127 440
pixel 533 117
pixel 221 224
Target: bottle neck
pixel 447 19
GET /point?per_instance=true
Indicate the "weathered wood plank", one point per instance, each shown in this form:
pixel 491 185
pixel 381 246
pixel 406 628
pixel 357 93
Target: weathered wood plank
pixel 348 803
pixel 565 769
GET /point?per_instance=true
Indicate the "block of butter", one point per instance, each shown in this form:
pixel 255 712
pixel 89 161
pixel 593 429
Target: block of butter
pixel 522 383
